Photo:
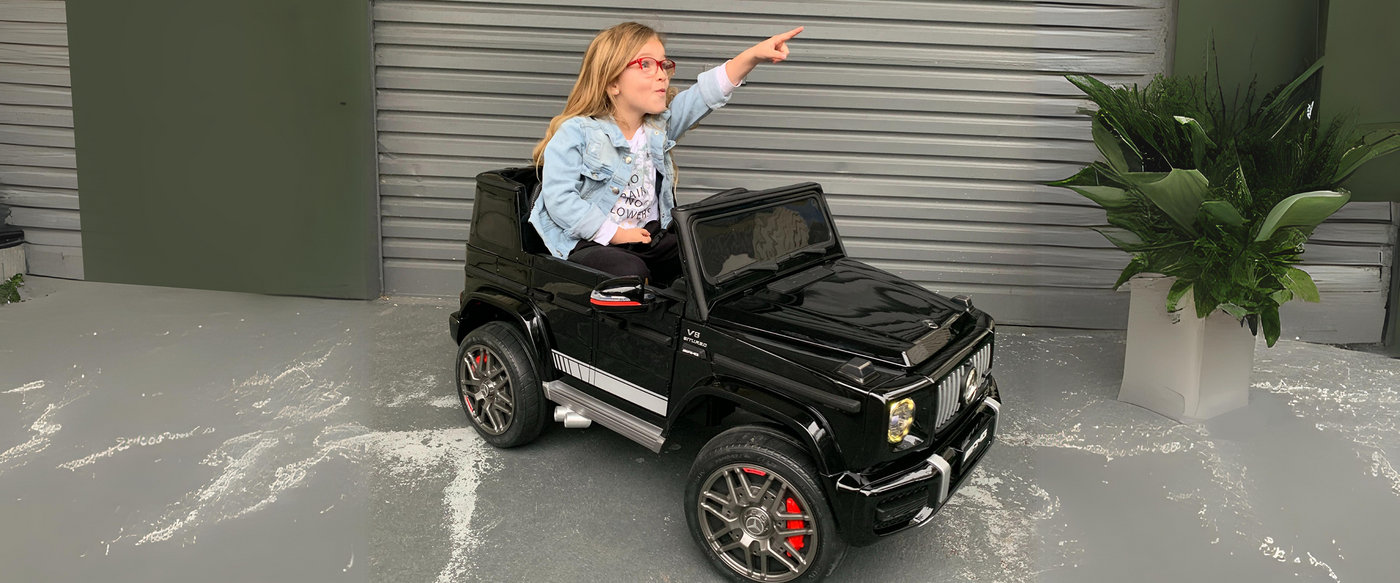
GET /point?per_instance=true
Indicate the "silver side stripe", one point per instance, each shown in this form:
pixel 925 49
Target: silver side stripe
pixel 606 381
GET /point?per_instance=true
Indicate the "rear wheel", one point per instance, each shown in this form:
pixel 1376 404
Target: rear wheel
pixel 755 507
pixel 498 387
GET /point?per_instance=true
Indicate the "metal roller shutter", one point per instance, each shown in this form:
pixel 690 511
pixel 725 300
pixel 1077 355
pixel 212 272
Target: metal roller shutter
pixel 38 164
pixel 929 125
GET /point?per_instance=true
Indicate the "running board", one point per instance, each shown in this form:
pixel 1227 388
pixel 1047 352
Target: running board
pixel 622 422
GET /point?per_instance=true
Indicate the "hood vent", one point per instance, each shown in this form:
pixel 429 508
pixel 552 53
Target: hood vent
pixel 930 343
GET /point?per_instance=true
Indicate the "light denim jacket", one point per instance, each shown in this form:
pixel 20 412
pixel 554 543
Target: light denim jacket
pixel 588 162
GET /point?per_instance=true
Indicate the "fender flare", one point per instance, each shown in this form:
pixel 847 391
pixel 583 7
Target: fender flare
pixel 524 315
pixel 805 423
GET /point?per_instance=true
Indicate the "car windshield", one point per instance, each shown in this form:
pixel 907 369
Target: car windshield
pixel 760 238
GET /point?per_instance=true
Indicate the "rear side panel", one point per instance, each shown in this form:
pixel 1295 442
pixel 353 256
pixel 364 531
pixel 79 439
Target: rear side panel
pixel 563 299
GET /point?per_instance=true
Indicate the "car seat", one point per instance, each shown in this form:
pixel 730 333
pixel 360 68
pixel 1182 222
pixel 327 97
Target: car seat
pixel 530 237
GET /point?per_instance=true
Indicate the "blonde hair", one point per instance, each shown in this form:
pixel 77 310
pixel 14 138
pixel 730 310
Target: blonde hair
pixel 603 63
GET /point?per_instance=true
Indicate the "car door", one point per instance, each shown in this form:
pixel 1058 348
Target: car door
pixel 635 353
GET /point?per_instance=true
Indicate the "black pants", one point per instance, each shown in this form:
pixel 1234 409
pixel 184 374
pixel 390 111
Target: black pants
pixel 657 262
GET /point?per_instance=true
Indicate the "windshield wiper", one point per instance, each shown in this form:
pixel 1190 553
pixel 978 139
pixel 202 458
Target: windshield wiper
pixel 764 266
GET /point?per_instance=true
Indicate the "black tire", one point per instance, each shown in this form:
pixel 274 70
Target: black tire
pixel 780 464
pixel 504 414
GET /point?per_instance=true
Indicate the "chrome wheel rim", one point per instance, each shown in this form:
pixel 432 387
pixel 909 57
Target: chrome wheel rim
pixel 757 523
pixel 485 388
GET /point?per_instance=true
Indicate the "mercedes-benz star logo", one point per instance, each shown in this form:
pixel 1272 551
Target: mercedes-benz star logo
pixel 970 386
pixel 756 522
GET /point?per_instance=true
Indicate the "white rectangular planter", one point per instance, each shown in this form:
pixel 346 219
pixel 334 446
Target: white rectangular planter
pixel 11 262
pixel 1186 369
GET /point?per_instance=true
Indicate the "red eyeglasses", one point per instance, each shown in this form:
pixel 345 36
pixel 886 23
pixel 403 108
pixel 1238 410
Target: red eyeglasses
pixel 648 66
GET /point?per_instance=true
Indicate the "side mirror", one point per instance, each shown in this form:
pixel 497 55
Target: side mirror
pixel 622 295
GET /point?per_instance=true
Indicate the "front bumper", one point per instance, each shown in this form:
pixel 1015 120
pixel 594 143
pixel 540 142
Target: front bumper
pixel 871 507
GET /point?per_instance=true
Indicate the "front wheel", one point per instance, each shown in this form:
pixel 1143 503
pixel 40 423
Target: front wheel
pixel 756 509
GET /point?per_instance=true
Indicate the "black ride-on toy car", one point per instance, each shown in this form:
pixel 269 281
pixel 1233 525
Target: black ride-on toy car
pixel 856 402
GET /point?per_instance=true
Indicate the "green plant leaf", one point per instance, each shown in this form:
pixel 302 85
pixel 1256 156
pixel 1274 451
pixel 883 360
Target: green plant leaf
pixel 1303 210
pixel 1112 147
pixel 1205 304
pixel 1282 102
pixel 9 289
pixel 1199 140
pixel 1097 91
pixel 1111 105
pixel 1281 297
pixel 1364 152
pixel 1242 274
pixel 1268 318
pixel 1137 265
pixel 1086 176
pixel 1108 197
pixel 1234 310
pixel 1287 240
pixel 1298 113
pixel 1300 284
pixel 1241 187
pixel 1223 212
pixel 1121 238
pixel 1095 174
pixel 1179 289
pixel 1179 193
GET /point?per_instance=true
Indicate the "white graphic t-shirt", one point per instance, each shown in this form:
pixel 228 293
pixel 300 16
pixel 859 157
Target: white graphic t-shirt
pixel 636 206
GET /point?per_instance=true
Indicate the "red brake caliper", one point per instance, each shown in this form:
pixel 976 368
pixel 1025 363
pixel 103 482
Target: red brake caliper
pixel 468 400
pixel 795 541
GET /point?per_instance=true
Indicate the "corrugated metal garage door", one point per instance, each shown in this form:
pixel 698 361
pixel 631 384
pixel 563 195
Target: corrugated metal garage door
pixel 38 167
pixel 928 124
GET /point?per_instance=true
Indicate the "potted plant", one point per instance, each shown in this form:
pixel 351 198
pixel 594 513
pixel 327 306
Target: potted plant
pixel 1213 200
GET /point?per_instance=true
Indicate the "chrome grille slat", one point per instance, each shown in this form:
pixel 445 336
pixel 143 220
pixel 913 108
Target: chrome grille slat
pixel 950 388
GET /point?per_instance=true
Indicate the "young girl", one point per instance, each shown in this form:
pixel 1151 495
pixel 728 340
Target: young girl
pixel 608 181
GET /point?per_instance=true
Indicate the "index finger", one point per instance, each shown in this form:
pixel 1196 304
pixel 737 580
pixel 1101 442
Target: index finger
pixel 789 34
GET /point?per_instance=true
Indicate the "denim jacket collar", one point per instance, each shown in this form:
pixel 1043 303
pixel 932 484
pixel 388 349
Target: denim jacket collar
pixel 613 131
pixel 654 142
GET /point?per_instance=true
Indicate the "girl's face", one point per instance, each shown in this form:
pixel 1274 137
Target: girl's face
pixel 640 92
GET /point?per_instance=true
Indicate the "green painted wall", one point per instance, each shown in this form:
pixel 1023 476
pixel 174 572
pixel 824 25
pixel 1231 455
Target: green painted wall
pixel 1362 79
pixel 227 145
pixel 1275 39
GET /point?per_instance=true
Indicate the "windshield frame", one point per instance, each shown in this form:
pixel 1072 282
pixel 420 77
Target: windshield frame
pixel 709 290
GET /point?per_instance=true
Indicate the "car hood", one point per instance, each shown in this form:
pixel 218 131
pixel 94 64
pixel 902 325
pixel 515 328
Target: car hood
pixel 850 306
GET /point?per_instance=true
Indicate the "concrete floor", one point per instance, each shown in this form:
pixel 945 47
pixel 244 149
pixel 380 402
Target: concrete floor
pixel 161 434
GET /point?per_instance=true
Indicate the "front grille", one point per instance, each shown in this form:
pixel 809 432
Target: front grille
pixel 950 401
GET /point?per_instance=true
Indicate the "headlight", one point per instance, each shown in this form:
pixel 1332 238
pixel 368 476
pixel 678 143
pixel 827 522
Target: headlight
pixel 901 418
